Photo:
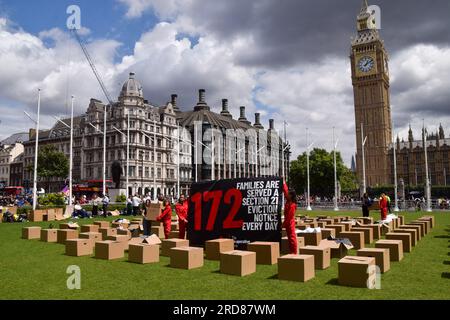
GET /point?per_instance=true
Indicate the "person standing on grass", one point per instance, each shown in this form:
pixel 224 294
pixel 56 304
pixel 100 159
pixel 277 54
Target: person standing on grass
pixel 147 224
pixel 181 208
pixel 289 218
pixel 366 203
pixel 136 202
pixel 166 217
pixel 105 202
pixel 95 203
pixel 383 206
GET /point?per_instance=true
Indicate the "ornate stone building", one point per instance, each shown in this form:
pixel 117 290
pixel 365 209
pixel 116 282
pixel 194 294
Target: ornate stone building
pixel 370 79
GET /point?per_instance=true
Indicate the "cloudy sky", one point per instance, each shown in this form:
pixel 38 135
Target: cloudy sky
pixel 287 59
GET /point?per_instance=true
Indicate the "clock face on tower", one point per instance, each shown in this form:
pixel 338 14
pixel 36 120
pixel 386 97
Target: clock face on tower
pixel 365 64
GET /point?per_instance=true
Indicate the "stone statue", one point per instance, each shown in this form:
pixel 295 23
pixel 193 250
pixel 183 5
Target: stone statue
pixel 117 172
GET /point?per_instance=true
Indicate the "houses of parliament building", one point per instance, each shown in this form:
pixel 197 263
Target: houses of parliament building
pixel 371 87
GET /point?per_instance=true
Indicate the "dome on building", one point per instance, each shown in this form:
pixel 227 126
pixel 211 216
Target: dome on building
pixel 132 88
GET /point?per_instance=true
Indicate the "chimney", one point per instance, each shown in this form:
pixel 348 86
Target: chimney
pixel 243 118
pixel 201 105
pixel 173 101
pixel 271 124
pixel 258 124
pixel 225 111
pixel 132 75
pixel 201 95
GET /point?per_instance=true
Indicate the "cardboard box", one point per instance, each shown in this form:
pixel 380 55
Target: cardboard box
pixel 50 216
pixel 107 232
pixel 421 228
pixel 30 233
pixel 37 215
pixel 402 220
pixel 174 235
pixel 381 255
pixel 153 211
pixel 123 239
pixel 159 231
pixel 102 224
pixel 430 218
pixel 327 221
pixel 322 256
pixel 326 233
pixel 405 237
pixel 186 258
pixel 214 248
pixel 66 234
pixel 338 228
pixel 365 220
pixel 386 228
pixel 49 235
pixel 238 263
pixel 311 238
pixel 168 244
pixel 302 226
pixel 109 250
pixel 376 230
pixel 143 253
pixel 90 228
pixel 355 237
pixel 426 224
pixel 59 214
pixel 395 248
pixel 413 227
pixel 338 248
pixel 347 225
pixel 266 252
pixel 69 225
pixel 336 219
pixel 153 240
pixel 79 247
pixel 412 232
pixel 285 244
pixel 94 236
pixel 124 225
pixel 124 232
pixel 293 267
pixel 357 272
pixel 368 234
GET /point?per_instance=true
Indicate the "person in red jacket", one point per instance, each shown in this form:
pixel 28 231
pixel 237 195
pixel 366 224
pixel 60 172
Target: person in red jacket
pixel 166 217
pixel 289 218
pixel 383 206
pixel 181 208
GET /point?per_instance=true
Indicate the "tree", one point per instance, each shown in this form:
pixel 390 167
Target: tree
pixel 321 168
pixel 52 164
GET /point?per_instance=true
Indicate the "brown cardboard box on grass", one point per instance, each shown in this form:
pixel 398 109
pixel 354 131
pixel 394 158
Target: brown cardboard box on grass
pixel 413 227
pixel 124 232
pixel 322 256
pixel 143 253
pixel 151 240
pixel 294 267
pixel 174 235
pixel 94 236
pixel 153 211
pixel 285 244
pixel 238 263
pixel 347 225
pixel 381 255
pixel 337 219
pixel 401 220
pixel 123 239
pixel 50 216
pixel 326 233
pixel 116 225
pixel 49 235
pixel 90 228
pixel 368 233
pixel 338 248
pixel 69 225
pixel 186 257
pixel 107 232
pixel 426 224
pixel 59 214
pixel 37 215
pixel 266 252
pixel 109 250
pixel 213 248
pixel 376 230
pixel 412 232
pixel 79 247
pixel 311 238
pixel 355 237
pixel 338 228
pixel 66 234
pixel 430 218
pixel 405 237
pixel 168 244
pixel 328 221
pixel 420 226
pixel 159 231
pixel 102 224
pixel 31 233
pixel 395 248
pixel 357 272
pixel 365 220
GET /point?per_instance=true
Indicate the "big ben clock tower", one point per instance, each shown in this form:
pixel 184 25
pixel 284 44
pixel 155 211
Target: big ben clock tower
pixel 370 79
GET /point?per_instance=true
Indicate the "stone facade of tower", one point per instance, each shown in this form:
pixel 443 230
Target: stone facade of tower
pixel 370 79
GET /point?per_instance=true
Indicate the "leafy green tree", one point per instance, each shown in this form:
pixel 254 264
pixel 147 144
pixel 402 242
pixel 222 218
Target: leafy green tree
pixel 52 164
pixel 321 168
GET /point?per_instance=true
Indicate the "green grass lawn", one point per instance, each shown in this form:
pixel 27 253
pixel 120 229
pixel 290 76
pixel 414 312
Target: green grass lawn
pixel 30 269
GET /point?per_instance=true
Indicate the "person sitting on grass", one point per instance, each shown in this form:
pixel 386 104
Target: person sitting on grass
pixel 79 212
pixel 166 217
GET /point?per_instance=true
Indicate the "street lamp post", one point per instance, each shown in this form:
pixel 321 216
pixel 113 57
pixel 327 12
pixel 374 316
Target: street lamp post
pixel 363 143
pixel 335 143
pixel 36 150
pixel 427 185
pixel 308 200
pixel 127 136
pixel 394 148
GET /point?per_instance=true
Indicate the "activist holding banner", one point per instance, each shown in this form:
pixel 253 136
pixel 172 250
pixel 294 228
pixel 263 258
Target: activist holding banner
pixel 181 208
pixel 290 208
